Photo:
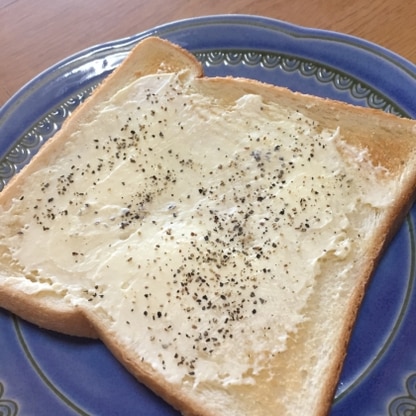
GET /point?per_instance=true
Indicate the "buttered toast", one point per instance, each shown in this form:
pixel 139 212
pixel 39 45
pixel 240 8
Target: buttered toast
pixel 217 234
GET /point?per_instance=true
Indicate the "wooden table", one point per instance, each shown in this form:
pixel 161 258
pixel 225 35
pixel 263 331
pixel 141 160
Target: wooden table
pixel 36 34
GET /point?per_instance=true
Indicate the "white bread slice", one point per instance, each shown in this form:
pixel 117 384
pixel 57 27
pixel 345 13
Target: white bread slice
pixel 217 234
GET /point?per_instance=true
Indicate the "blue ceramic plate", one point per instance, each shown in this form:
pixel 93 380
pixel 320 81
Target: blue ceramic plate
pixel 44 373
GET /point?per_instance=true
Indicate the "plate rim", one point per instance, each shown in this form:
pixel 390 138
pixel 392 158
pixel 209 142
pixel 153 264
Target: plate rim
pixel 166 29
pixel 401 71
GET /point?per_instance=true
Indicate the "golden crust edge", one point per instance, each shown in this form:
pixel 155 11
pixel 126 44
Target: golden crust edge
pixel 154 380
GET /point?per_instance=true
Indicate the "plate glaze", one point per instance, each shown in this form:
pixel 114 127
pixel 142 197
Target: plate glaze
pixel 44 373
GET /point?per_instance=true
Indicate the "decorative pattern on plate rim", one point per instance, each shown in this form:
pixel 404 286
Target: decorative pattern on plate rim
pixel 41 374
pixel 30 143
pixel 41 131
pixel 405 405
pixel 37 135
pixel 7 407
pixel 286 63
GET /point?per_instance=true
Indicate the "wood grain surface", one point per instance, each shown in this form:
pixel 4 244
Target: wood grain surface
pixel 35 34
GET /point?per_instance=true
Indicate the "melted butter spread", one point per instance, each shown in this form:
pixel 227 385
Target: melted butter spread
pixel 197 230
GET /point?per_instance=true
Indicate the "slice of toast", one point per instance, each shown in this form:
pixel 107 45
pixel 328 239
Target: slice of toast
pixel 217 234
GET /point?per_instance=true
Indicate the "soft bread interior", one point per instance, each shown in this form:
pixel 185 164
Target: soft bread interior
pixel 216 234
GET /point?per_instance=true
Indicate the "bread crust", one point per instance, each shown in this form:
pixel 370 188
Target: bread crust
pixel 50 313
pixel 375 139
